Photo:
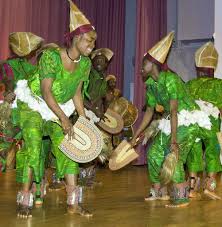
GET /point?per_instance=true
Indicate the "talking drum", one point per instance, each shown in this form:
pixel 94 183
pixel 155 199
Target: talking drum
pixel 122 156
pixel 113 122
pixel 119 106
pixel 130 116
pixel 87 143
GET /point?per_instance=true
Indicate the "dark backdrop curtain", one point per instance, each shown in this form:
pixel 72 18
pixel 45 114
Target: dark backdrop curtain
pixel 46 18
pixel 108 17
pixel 50 19
pixel 151 27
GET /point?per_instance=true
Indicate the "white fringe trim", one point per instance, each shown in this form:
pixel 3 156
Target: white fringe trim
pixel 208 108
pixel 187 118
pixel 24 94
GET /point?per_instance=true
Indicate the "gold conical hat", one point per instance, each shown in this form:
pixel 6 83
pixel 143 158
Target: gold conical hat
pixel 105 51
pixel 77 18
pixel 160 51
pixel 206 56
pixel 23 43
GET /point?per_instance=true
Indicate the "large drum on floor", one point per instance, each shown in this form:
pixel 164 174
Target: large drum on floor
pixel 87 143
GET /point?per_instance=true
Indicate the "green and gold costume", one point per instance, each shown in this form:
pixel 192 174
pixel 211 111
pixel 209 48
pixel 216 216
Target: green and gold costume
pixel 32 123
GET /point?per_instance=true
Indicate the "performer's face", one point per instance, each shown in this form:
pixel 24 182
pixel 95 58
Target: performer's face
pixel 100 63
pixel 146 69
pixel 86 43
pixel 112 83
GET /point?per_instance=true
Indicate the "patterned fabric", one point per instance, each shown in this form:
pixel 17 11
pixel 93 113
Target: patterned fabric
pixel 65 83
pixel 168 87
pixel 97 86
pixel 207 89
pixel 34 127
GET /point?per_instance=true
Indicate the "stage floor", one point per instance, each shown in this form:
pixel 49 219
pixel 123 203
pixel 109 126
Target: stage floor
pixel 118 202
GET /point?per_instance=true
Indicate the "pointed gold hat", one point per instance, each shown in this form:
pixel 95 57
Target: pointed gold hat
pixel 103 51
pixel 23 43
pixel 206 56
pixel 78 22
pixel 160 50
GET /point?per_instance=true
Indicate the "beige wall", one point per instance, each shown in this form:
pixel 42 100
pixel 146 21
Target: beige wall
pixel 218 35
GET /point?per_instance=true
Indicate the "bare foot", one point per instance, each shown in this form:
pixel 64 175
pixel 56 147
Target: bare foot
pixel 73 209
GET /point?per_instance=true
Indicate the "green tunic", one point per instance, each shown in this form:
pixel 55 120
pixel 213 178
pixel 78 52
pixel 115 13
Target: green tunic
pixel 97 86
pixel 209 90
pixel 170 87
pixel 21 69
pixel 34 127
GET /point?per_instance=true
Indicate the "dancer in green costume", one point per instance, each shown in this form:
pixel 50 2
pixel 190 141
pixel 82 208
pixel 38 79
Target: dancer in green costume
pixel 207 89
pixel 48 95
pixel 24 46
pixel 178 134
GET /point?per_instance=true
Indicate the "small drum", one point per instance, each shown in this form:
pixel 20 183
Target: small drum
pixel 122 156
pixel 113 124
pixel 126 109
pixel 86 145
pixel 119 106
pixel 130 116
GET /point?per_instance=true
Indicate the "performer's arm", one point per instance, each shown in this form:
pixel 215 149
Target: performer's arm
pixel 174 124
pixel 78 101
pixel 46 89
pixel 146 120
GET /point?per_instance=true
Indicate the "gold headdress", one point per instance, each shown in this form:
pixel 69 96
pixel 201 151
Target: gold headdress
pixel 23 43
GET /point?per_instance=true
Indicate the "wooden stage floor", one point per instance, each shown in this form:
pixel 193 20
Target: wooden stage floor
pixel 118 202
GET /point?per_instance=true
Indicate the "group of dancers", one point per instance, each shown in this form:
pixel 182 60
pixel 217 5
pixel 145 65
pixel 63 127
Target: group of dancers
pixel 73 79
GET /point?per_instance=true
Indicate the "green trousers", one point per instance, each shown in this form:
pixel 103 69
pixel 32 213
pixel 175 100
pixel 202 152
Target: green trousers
pixel 32 155
pixel 212 151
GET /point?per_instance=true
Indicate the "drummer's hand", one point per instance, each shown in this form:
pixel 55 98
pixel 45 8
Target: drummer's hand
pixel 67 127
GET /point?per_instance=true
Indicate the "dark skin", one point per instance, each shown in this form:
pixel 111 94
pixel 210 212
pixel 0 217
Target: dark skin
pixel 110 96
pixel 193 193
pixel 81 45
pixel 100 64
pixel 148 68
